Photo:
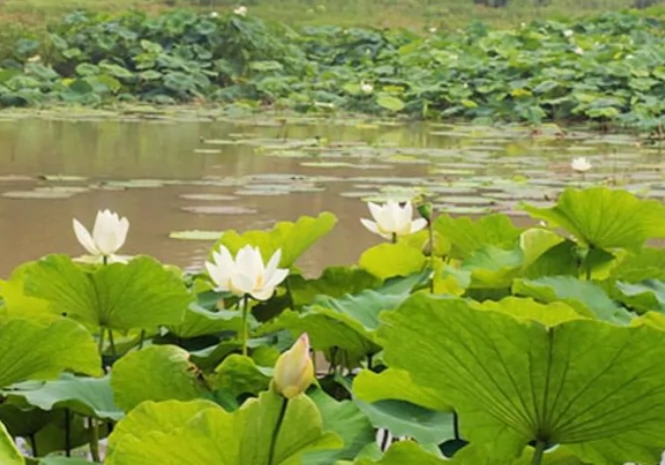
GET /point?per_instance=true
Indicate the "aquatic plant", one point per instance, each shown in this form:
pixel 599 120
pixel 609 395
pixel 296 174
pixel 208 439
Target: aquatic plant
pixel 503 344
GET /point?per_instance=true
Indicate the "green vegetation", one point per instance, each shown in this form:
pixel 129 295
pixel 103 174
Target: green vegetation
pixel 608 70
pixel 474 340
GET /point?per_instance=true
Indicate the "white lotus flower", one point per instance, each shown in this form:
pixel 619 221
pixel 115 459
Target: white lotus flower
pixel 432 30
pixel 246 275
pixel 367 88
pixel 241 10
pixel 568 33
pixel 214 14
pixel 392 220
pixel 108 236
pixel 579 51
pixel 580 164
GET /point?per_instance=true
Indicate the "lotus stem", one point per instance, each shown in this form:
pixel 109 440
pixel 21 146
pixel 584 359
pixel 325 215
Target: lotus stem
pixel 394 239
pixel 275 432
pixel 141 339
pixel 112 343
pixel 94 440
pixel 245 329
pixel 100 343
pixel 539 452
pixel 430 233
pixel 456 425
pixel 33 444
pixel 68 445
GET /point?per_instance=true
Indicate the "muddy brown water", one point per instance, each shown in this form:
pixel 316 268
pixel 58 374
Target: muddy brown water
pixel 160 174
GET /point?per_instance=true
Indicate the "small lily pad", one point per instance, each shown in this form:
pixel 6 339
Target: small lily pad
pixel 196 235
pixel 61 178
pixel 208 151
pixel 208 197
pixel 136 183
pixel 35 194
pixel 219 210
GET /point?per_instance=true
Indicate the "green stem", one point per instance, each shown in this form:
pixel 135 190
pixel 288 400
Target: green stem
pixel 538 453
pixel 112 343
pixel 94 440
pixel 33 445
pixel 141 339
pixel 430 232
pixel 245 330
pixel 100 343
pixel 275 432
pixel 394 240
pixel 68 442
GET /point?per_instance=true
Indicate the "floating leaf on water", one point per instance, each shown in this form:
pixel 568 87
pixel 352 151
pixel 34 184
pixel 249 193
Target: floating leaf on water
pixel 219 210
pixel 208 151
pixel 135 183
pixel 15 177
pixel 196 235
pixel 461 209
pixel 61 178
pixel 37 194
pixel 208 197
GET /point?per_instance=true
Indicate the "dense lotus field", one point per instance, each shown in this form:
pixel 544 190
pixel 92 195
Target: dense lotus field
pixel 452 340
pixel 607 69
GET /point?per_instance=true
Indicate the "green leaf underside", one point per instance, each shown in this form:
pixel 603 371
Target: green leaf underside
pixel 598 388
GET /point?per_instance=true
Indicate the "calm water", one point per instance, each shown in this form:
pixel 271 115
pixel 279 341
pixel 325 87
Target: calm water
pixel 155 173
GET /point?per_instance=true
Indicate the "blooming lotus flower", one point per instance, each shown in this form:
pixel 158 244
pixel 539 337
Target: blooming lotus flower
pixel 108 236
pixel 581 165
pixel 579 51
pixel 214 14
pixel 241 10
pixel 294 370
pixel 392 220
pixel 246 275
pixel 568 33
pixel 366 88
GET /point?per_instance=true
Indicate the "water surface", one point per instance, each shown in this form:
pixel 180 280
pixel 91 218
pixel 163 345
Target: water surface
pixel 159 173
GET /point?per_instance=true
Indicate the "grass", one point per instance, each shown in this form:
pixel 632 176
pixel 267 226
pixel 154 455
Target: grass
pixel 412 14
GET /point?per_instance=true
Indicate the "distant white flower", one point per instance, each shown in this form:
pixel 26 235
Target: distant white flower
pixel 579 51
pixel 392 220
pixel 522 25
pixel 367 88
pixel 246 275
pixel 241 10
pixel 34 59
pixel 568 33
pixel 214 15
pixel 108 236
pixel 432 30
pixel 580 164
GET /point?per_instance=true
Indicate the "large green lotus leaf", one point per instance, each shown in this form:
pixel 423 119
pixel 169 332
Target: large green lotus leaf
pixel 648 263
pixel 345 419
pixel 406 453
pixel 604 218
pixel 596 387
pixel 18 304
pixel 181 433
pixel 643 296
pixel 394 384
pixel 55 460
pixel 467 236
pixel 334 282
pixel 208 436
pixel 33 351
pixel 200 322
pixel 529 310
pixel 292 238
pixel 240 374
pixel 139 294
pixel 387 260
pixel 562 259
pixel 9 453
pixel 302 430
pixel 450 280
pixel 585 297
pixel 153 416
pixel 156 373
pixel 349 322
pixel 82 395
pixel 492 267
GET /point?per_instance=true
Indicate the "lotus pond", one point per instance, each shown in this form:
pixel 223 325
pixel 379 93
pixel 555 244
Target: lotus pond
pixel 518 321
